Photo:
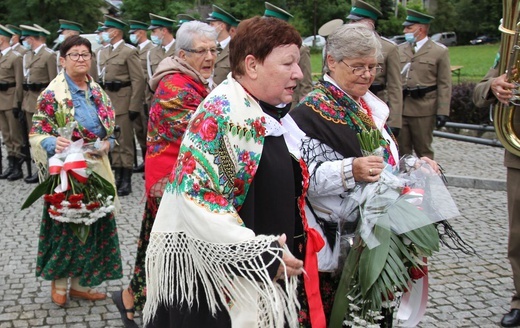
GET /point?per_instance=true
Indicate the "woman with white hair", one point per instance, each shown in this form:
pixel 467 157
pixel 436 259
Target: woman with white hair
pixel 180 84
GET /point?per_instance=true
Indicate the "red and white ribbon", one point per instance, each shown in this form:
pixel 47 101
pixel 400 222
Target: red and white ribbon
pixel 74 164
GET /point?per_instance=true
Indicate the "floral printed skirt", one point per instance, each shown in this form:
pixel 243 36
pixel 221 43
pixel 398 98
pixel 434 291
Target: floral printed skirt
pixel 62 255
pixel 138 282
pixel 328 285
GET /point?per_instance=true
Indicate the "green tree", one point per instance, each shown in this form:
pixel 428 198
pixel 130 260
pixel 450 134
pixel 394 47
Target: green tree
pixel 445 17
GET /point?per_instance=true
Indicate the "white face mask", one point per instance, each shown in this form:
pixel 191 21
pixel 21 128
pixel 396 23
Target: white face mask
pixel 26 45
pixel 133 38
pixel 11 42
pixel 61 38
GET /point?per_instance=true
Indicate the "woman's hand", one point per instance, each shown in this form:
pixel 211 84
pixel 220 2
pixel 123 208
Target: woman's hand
pixel 293 266
pixel 61 144
pixel 105 147
pixel 367 169
pixel 432 163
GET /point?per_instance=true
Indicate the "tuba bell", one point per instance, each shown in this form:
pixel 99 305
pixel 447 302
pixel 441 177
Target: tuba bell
pixel 510 64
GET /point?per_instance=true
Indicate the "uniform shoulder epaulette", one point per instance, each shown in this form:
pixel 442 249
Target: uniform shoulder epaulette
pixel 388 40
pixel 440 44
pixel 49 50
pixel 16 53
pixel 130 46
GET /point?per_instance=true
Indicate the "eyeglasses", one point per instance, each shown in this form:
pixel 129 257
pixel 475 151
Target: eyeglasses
pixel 202 52
pixel 75 56
pixel 360 70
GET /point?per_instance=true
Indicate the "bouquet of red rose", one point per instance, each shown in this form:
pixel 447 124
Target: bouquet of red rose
pixel 73 192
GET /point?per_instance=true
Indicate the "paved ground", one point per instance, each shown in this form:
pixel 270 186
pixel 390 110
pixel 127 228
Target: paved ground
pixel 464 292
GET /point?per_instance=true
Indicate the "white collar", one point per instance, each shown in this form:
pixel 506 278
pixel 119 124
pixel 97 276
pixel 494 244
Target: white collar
pixel 143 44
pixel 115 45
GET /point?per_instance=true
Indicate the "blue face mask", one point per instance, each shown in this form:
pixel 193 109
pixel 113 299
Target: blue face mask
pixel 133 38
pixel 61 38
pixel 26 45
pixel 98 39
pixel 410 37
pixel 156 40
pixel 106 37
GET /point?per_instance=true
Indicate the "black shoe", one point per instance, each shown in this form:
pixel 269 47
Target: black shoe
pixel 7 172
pixel 32 179
pixel 139 168
pixel 511 319
pixel 117 297
pixel 126 183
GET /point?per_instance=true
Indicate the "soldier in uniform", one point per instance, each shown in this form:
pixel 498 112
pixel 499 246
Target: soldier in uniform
pixel 162 37
pixel 39 68
pixel 491 89
pixel 224 23
pixel 387 83
pixel 11 95
pixel 69 28
pixel 123 80
pixel 426 74
pixel 183 18
pixel 304 86
pixel 139 37
pixel 15 39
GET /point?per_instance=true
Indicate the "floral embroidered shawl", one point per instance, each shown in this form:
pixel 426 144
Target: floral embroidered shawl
pixel 57 97
pixel 198 233
pixel 179 92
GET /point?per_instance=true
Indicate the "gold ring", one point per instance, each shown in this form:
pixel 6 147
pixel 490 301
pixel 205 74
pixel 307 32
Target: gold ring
pixel 370 172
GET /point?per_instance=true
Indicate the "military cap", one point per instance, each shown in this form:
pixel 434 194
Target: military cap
pixel 137 25
pixel 361 10
pixel 28 30
pixel 415 17
pixel 69 25
pixel 101 27
pixel 273 11
pixel 220 14
pixel 159 21
pixel 43 32
pixel 114 22
pixel 329 27
pixel 15 29
pixel 183 18
pixel 5 31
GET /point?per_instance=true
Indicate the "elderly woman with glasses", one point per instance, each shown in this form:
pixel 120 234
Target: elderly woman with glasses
pixel 180 84
pixel 74 97
pixel 340 107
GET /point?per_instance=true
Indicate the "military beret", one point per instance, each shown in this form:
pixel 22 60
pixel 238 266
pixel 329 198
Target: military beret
pixel 361 10
pixel 69 25
pixel 114 22
pixel 220 14
pixel 5 31
pixel 183 18
pixel 15 29
pixel 159 21
pixel 137 25
pixel 415 17
pixel 273 11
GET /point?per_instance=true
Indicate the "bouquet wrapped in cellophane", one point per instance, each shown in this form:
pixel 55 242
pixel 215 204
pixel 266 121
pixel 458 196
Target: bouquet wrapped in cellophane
pixel 396 232
pixel 72 191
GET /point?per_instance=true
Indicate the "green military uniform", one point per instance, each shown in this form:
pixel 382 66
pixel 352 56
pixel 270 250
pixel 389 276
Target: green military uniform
pixel 157 54
pixel 39 69
pixel 426 90
pixel 124 82
pixel 18 32
pixel 70 25
pixel 483 97
pixel 11 96
pixel 222 65
pixel 305 85
pixel 141 122
pixel 387 83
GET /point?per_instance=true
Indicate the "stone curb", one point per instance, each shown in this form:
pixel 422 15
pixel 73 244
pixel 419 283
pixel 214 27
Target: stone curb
pixel 476 183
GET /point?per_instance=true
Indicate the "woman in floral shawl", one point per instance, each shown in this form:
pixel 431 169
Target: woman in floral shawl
pixel 340 107
pixel 180 84
pixel 74 97
pixel 221 248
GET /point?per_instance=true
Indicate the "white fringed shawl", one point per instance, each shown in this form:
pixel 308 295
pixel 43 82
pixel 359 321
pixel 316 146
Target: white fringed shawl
pixel 198 234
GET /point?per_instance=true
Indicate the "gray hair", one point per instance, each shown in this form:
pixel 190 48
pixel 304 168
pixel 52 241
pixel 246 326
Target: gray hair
pixel 189 30
pixel 353 41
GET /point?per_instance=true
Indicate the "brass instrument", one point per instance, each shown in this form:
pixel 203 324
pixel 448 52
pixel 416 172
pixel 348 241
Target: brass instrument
pixel 510 64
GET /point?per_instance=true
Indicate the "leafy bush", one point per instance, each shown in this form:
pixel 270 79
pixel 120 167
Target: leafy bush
pixel 462 108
